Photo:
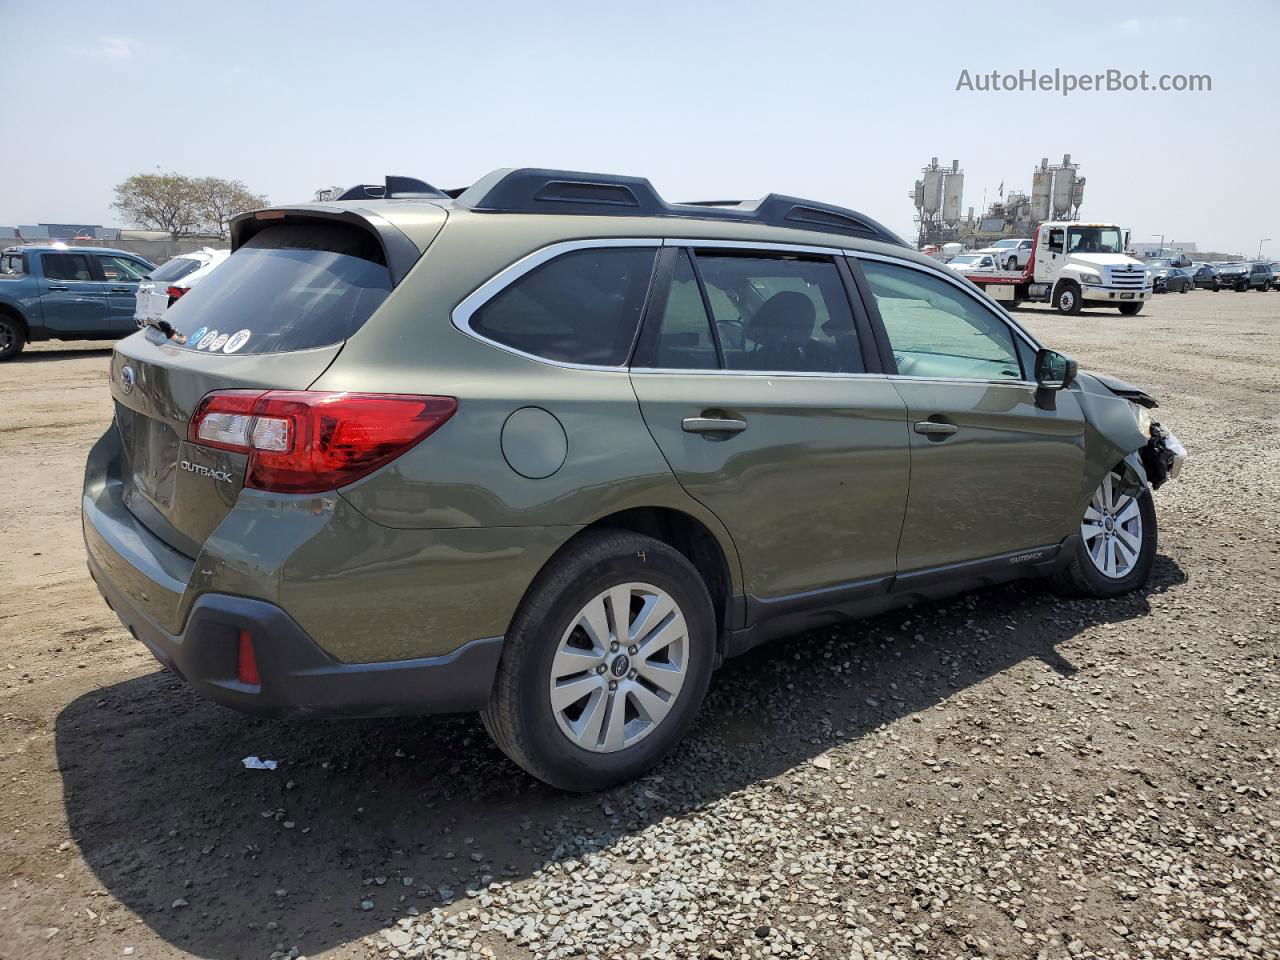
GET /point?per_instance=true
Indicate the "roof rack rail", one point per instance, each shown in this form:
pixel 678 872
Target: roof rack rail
pixel 536 190
pixel 395 188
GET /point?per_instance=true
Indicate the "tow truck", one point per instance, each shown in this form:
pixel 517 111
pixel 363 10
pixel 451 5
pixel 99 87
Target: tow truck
pixel 1073 264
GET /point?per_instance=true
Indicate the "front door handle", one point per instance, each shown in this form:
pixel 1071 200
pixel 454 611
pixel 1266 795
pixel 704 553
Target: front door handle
pixel 932 428
pixel 58 287
pixel 122 289
pixel 712 425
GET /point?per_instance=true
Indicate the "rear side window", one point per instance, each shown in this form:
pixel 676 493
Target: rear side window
pixel 684 340
pixel 581 307
pixel 66 266
pixel 785 314
pixel 175 269
pixel 121 269
pixel 290 287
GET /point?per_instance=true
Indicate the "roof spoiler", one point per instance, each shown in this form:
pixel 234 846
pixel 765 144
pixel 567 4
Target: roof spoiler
pixel 536 190
pixel 395 188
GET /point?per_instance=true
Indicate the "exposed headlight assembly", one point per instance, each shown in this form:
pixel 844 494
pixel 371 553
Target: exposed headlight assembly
pixel 1143 416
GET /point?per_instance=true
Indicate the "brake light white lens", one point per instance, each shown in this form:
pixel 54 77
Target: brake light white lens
pixel 270 433
pixel 225 429
pixel 302 441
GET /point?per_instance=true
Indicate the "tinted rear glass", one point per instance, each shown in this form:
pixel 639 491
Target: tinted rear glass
pixel 291 287
pixel 175 269
pixel 582 307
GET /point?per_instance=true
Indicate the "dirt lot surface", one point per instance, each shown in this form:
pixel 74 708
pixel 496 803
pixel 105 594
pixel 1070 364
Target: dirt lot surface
pixel 1005 774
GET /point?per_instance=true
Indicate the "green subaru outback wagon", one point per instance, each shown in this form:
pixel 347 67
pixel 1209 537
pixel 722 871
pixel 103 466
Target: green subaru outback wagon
pixel 552 448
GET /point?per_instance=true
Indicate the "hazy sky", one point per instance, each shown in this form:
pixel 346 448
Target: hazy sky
pixel 841 102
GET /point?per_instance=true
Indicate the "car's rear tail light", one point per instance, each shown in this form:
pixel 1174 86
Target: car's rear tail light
pixel 302 441
pixel 175 293
pixel 247 661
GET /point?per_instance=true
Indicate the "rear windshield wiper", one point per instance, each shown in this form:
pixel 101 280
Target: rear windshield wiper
pixel 167 328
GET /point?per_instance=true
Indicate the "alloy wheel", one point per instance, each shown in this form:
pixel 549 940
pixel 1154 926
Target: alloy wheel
pixel 619 667
pixel 1112 529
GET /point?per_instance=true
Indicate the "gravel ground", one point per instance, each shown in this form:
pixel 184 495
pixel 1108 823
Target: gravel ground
pixel 1007 774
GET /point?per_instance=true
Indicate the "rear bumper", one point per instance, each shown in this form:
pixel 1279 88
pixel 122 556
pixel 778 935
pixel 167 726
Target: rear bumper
pixel 295 675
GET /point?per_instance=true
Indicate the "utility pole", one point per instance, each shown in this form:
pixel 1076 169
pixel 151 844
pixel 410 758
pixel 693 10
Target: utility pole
pixel 1260 243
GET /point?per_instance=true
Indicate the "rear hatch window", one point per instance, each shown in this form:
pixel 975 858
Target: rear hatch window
pixel 295 286
pixel 175 269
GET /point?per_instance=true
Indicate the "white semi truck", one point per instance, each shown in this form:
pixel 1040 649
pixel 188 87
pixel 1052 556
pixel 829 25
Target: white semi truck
pixel 1074 264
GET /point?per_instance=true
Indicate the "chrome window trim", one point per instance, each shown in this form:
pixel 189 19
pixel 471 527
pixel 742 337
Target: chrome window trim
pixel 467 307
pixel 975 292
pixel 763 246
pixel 718 372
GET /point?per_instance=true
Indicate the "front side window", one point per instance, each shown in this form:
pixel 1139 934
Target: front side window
pixel 1057 238
pixel 780 313
pixel 582 307
pixel 66 266
pixel 121 269
pixel 938 330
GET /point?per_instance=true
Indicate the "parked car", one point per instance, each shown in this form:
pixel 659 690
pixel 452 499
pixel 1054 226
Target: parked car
pixel 1233 276
pixel 168 282
pixel 1159 270
pixel 1010 254
pixel 1205 276
pixel 554 449
pixel 58 292
pixel 973 263
pixel 1178 280
pixel 1261 276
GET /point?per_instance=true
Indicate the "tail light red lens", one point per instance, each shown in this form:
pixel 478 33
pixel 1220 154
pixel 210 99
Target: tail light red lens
pixel 247 661
pixel 175 293
pixel 303 441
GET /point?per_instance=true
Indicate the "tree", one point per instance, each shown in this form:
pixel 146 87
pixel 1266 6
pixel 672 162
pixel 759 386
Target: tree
pixel 160 201
pixel 184 206
pixel 221 200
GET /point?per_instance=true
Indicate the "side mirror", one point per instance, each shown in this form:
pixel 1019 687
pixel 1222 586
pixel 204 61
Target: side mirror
pixel 1054 371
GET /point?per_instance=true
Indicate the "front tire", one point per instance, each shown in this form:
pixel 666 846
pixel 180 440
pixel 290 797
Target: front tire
pixel 606 662
pixel 12 338
pixel 1117 544
pixel 1066 299
pixel 1129 309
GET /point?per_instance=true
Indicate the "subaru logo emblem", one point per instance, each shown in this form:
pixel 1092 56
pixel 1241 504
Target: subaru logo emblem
pixel 127 379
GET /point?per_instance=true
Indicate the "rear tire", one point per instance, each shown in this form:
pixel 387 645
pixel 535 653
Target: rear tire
pixel 1129 309
pixel 550 645
pixel 12 338
pixel 1129 551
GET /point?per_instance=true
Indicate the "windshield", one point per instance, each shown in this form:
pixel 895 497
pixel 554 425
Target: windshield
pixel 1095 240
pixel 291 287
pixel 965 259
pixel 1005 244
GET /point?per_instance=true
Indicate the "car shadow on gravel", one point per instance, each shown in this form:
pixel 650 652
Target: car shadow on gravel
pixel 365 821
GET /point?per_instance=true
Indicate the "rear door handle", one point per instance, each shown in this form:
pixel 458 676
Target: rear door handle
pixel 932 428
pixel 58 287
pixel 712 425
pixel 122 289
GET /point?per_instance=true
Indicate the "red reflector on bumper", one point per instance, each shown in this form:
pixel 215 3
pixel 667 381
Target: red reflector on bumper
pixel 246 662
